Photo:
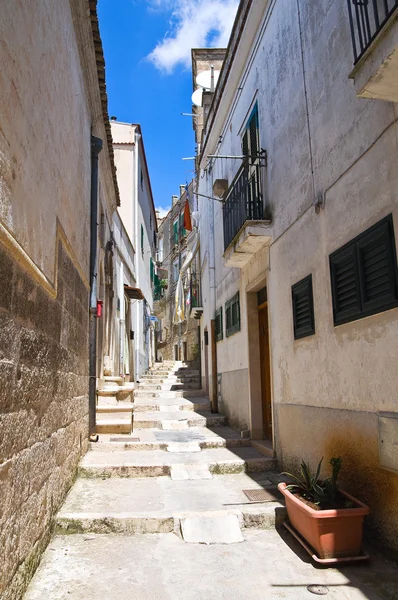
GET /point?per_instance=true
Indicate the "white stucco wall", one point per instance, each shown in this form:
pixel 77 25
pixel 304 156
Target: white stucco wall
pixel 137 210
pixel 327 388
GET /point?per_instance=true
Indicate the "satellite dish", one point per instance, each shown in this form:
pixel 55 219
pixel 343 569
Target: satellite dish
pixel 197 97
pixel 204 79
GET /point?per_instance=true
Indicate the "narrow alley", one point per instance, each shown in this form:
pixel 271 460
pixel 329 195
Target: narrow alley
pixel 198 299
pixel 162 513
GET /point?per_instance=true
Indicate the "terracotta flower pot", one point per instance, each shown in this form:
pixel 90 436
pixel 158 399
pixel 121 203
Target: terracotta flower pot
pixel 335 533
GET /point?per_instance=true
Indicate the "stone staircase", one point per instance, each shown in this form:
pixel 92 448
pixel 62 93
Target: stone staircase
pixel 180 460
pixel 114 412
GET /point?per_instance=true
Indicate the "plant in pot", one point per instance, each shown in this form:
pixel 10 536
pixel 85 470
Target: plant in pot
pixel 329 519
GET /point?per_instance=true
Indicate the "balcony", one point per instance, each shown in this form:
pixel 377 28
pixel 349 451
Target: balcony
pixel 245 229
pixel 374 34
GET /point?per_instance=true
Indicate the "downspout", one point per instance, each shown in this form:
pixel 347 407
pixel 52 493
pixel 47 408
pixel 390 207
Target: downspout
pixel 96 147
pixel 137 334
pixel 122 312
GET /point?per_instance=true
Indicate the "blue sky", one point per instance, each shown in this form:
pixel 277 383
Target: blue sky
pixel 147 46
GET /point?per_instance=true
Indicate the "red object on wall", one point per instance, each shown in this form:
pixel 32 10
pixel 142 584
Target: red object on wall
pixel 100 305
pixel 187 217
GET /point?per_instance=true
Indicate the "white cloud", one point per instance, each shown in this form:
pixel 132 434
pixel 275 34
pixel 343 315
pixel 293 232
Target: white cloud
pixel 193 24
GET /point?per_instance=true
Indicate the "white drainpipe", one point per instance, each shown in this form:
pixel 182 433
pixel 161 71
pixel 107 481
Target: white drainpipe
pixel 122 313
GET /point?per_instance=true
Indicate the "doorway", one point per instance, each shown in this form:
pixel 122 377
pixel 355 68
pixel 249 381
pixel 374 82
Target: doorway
pixel 185 350
pixel 265 369
pixel 206 350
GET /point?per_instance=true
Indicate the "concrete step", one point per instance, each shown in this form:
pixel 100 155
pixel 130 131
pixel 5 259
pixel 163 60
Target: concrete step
pixel 264 446
pixel 156 439
pixel 178 465
pixel 120 408
pixel 114 422
pixel 142 393
pixel 175 420
pixel 168 386
pixel 173 404
pixel 158 505
pixel 170 379
pixel 114 379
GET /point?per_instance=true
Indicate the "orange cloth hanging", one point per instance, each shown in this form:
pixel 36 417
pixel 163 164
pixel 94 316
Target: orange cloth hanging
pixel 187 217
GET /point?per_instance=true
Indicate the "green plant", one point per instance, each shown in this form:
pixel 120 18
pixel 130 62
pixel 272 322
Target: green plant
pixel 307 485
pixel 312 488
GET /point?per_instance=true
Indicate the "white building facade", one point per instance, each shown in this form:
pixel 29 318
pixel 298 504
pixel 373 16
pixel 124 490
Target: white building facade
pixel 137 213
pixel 298 244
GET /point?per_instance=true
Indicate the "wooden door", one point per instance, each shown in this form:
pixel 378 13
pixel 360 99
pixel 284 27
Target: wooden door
pixel 265 370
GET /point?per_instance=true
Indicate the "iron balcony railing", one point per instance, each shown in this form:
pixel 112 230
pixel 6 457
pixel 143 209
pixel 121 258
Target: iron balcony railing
pixel 244 201
pixel 367 19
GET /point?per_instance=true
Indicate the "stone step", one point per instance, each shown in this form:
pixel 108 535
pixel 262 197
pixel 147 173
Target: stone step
pixel 121 392
pixel 178 465
pixel 168 386
pixel 156 439
pixel 142 393
pixel 170 379
pixel 114 379
pixel 120 408
pixel 158 505
pixel 172 404
pixel 114 423
pixel 175 420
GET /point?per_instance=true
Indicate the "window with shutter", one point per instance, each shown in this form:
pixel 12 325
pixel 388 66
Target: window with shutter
pixel 364 274
pixel 303 308
pixel 232 315
pixel 218 324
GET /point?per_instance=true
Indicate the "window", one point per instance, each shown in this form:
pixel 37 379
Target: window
pixel 303 308
pixel 152 269
pixel 364 274
pixel 142 180
pixel 142 239
pixel 218 325
pixel 175 232
pixel 232 315
pixel 176 270
pixel 250 138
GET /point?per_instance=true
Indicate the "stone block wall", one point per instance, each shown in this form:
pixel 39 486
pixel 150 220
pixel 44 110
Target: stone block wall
pixel 43 408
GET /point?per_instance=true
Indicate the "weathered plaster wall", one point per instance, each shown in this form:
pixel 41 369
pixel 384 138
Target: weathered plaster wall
pixel 322 142
pixel 44 409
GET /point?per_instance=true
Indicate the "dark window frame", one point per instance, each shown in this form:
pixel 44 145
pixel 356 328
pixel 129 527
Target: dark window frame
pixel 219 326
pixel 365 307
pixel 303 289
pixel 232 315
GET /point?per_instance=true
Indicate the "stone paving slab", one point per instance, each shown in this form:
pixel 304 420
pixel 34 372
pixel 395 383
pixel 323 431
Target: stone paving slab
pixel 211 529
pixel 269 565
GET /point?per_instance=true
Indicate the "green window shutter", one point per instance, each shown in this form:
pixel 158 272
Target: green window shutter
pixel 232 315
pixel 175 231
pixel 303 308
pixel 152 270
pixel 142 239
pixel 218 324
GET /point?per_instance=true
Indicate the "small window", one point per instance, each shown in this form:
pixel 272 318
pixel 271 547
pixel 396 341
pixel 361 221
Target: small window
pixel 218 325
pixel 232 315
pixel 142 181
pixel 364 274
pixel 303 308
